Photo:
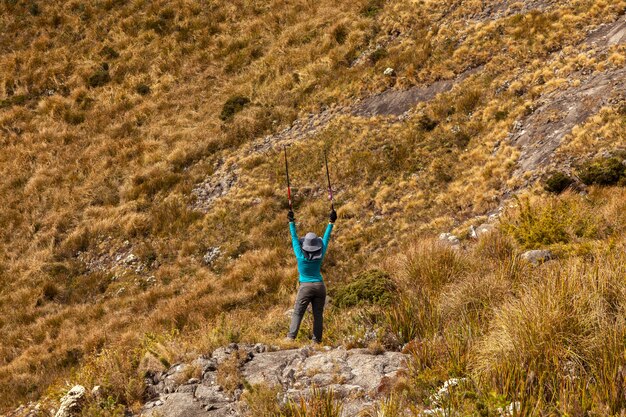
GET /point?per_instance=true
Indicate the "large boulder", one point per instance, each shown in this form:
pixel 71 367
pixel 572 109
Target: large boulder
pixel 355 376
pixel 72 402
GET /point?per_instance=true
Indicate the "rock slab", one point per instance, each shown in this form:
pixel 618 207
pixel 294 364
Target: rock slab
pixel 356 377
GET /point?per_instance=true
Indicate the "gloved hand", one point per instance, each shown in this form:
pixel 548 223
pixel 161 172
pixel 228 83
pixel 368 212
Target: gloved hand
pixel 333 216
pixel 291 216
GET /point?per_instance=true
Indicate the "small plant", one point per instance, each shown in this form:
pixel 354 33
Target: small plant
pixel 409 318
pixel 606 171
pixel 263 401
pixel 377 55
pixel 500 115
pixel 50 291
pixel 143 89
pixel 558 182
pixel 340 33
pixel 232 106
pixel 229 373
pixel 109 52
pixel 426 123
pixel 320 403
pixel 372 286
pixel 100 77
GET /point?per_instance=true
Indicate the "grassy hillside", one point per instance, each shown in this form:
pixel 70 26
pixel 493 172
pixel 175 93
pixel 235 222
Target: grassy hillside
pixel 112 112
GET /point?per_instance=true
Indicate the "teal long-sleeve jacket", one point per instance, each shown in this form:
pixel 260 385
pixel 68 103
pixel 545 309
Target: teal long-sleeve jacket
pixel 309 270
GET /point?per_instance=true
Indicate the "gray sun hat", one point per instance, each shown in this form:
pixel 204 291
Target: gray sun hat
pixel 311 242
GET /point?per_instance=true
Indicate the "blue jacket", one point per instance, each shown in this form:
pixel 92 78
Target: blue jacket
pixel 309 270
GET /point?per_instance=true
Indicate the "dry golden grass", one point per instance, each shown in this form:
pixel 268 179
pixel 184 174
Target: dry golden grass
pixel 110 114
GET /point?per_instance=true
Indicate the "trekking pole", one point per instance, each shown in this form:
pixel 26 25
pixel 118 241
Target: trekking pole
pixel 288 184
pixel 330 188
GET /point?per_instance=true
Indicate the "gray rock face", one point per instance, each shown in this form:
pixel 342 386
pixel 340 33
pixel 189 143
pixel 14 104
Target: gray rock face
pixel 355 376
pixel 537 256
pixel 484 229
pixel 72 402
pixel 449 239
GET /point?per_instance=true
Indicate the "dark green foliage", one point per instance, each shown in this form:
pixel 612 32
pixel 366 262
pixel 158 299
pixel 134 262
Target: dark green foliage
pixel 372 8
pixel 340 33
pixel 557 182
pixel 373 286
pixel 377 55
pixel 469 100
pixel 100 77
pixel 16 100
pixel 109 52
pixel 605 171
pixel 143 89
pixel 501 115
pixel 233 106
pixel 34 9
pixel 50 291
pixel 427 124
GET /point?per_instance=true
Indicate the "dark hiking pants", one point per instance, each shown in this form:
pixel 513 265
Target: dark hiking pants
pixel 314 293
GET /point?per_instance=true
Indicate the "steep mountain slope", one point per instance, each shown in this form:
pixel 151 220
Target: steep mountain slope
pixel 141 180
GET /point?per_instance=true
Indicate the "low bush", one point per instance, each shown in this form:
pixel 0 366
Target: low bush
pixel 372 286
pixel 606 171
pixel 100 77
pixel 426 123
pixel 233 106
pixel 143 89
pixel 557 182
pixel 556 221
pixel 378 54
pixel 109 52
pixel 340 33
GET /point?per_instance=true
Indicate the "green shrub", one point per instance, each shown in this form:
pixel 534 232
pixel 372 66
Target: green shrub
pixel 16 100
pixel 50 291
pixel 501 115
pixel 233 106
pixel 371 286
pixel 340 33
pixel 109 52
pixel 100 77
pixel 539 226
pixel 557 182
pixel 605 171
pixel 426 123
pixel 143 89
pixel 377 55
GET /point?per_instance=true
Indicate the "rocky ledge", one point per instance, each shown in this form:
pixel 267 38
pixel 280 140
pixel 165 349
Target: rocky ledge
pixel 357 377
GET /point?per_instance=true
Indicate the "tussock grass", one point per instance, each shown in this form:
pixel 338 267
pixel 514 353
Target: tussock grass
pixel 104 135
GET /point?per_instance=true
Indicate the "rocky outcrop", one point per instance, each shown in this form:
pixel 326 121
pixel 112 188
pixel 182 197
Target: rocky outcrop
pixel 72 402
pixel 537 256
pixel 356 377
pixel 540 134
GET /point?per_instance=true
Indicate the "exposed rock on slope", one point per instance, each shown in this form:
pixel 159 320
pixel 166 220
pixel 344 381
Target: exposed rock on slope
pixel 355 376
pixel 541 133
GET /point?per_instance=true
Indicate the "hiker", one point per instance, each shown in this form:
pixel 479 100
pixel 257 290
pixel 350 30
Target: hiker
pixel 309 251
